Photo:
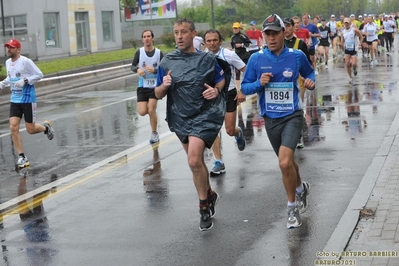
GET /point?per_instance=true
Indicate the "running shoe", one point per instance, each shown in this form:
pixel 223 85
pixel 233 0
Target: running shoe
pixel 218 168
pixel 300 144
pixel 355 71
pixel 240 140
pixel 326 66
pixel 302 199
pixel 316 72
pixel 294 220
pixel 49 128
pixel 23 162
pixel 212 201
pixel 350 80
pixel 154 137
pixel 206 219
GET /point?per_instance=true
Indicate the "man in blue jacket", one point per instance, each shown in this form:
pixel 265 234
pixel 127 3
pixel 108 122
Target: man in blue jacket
pixel 274 74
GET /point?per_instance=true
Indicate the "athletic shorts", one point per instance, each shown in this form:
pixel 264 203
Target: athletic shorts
pixel 327 44
pixel 332 37
pixel 143 94
pixel 28 110
pixel 371 43
pixel 312 51
pixel 284 131
pixel 231 104
pixel 351 53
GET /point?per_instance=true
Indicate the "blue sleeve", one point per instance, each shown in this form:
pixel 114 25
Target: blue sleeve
pixel 305 68
pixel 160 75
pixel 250 83
pixel 218 73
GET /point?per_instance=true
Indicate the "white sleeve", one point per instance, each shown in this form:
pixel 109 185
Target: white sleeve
pixel 34 73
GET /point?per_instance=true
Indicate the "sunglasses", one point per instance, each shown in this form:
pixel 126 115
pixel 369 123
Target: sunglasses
pixel 235 28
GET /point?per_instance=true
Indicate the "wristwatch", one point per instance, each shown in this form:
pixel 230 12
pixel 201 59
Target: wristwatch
pixel 26 80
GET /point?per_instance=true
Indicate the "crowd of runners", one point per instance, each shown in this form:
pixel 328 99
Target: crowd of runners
pixel 205 97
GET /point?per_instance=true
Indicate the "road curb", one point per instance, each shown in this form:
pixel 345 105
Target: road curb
pixel 347 224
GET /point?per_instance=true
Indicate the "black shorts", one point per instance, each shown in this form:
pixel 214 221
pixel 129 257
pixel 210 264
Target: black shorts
pixel 332 37
pixel 371 43
pixel 312 51
pixel 28 110
pixel 285 131
pixel 143 94
pixel 231 104
pixel 324 44
pixel 351 53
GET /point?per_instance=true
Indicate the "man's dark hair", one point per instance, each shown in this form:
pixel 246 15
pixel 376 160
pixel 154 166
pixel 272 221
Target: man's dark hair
pixel 213 31
pixel 186 20
pixel 152 33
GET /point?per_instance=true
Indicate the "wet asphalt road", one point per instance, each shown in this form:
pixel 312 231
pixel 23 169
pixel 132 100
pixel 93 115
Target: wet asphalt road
pixel 99 194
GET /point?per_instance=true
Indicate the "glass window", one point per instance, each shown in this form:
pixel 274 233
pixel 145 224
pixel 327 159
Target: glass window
pixel 108 26
pixel 51 29
pixel 15 27
pixel 80 16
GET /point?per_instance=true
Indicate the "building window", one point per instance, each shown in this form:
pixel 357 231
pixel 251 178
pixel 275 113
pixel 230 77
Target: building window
pixel 15 27
pixel 51 30
pixel 108 26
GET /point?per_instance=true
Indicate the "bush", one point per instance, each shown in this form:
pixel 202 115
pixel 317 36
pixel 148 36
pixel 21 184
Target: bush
pixel 226 32
pixel 168 39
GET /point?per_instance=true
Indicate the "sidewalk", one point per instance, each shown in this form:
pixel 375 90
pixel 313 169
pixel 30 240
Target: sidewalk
pixel 368 232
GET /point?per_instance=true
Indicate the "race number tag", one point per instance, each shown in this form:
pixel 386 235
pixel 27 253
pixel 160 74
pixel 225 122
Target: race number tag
pixel 279 96
pixel 149 83
pixel 350 46
pixel 253 45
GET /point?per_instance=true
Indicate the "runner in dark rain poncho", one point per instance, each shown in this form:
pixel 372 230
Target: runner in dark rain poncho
pixel 193 83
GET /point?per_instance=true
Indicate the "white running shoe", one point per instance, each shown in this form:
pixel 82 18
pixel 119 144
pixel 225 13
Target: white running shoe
pixel 154 137
pixel 23 162
pixel 294 220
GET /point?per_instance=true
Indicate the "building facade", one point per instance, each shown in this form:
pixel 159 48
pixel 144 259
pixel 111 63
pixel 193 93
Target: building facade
pixel 50 29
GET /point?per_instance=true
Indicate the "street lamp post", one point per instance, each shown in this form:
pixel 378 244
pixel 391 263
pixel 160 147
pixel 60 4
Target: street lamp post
pixel 213 15
pixel 3 26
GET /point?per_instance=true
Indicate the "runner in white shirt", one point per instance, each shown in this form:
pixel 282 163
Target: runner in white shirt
pixel 370 30
pixel 349 42
pixel 213 42
pixel 389 27
pixel 332 24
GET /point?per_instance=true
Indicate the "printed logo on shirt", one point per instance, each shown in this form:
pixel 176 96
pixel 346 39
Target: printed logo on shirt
pixel 265 67
pixel 288 73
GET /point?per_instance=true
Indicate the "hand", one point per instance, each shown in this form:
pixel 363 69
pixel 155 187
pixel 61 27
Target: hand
pixel 265 78
pixel 2 85
pixel 150 69
pixel 240 97
pixel 167 80
pixel 308 84
pixel 20 83
pixel 140 72
pixel 210 92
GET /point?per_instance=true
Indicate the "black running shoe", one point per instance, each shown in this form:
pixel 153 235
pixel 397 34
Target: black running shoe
pixel 212 201
pixel 206 219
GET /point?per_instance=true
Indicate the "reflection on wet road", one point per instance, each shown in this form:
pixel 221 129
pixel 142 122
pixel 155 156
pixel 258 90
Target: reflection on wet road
pixel 99 194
